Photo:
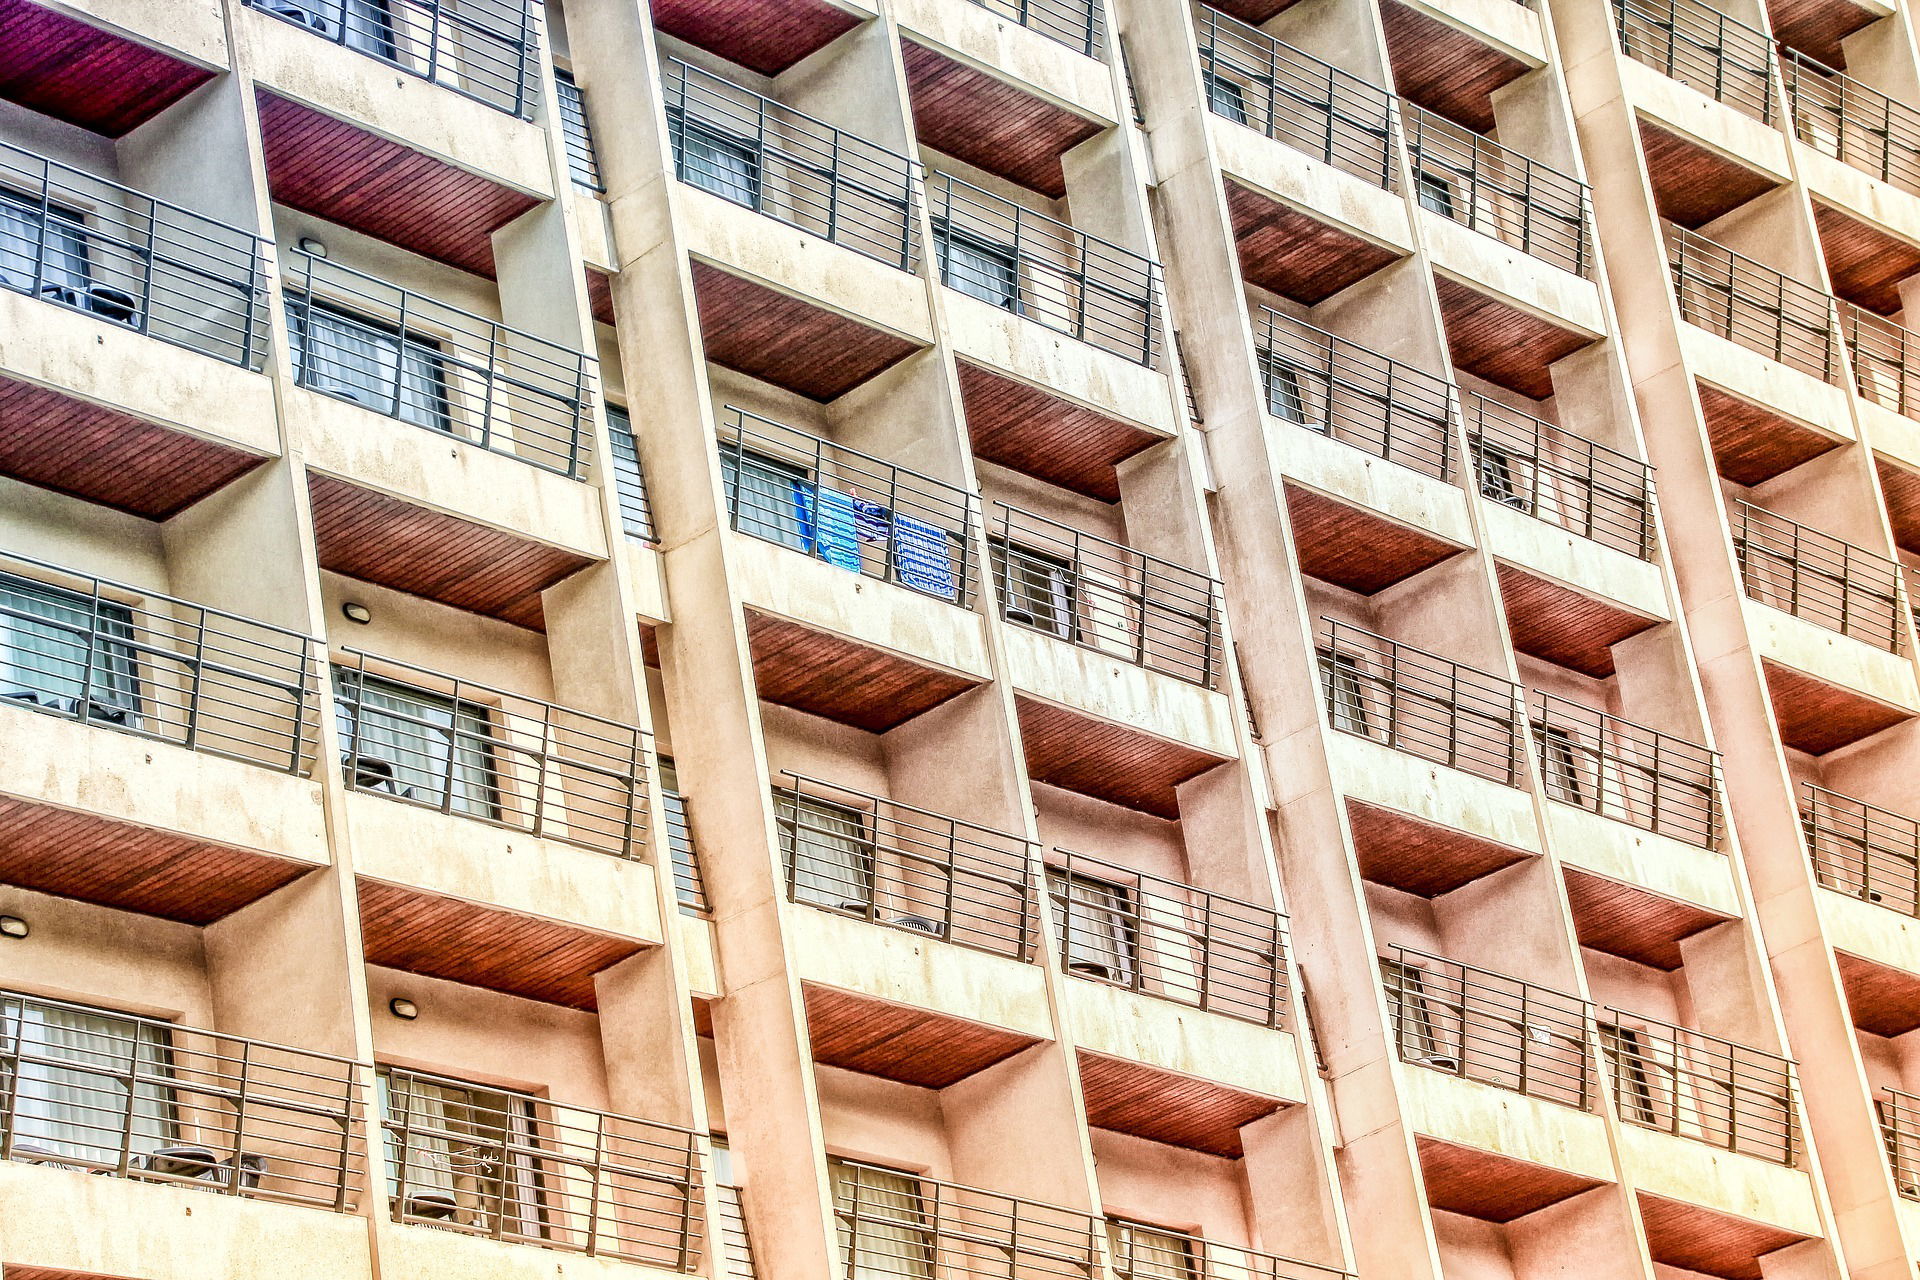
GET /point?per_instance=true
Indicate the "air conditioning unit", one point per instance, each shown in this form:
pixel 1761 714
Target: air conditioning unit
pixel 920 924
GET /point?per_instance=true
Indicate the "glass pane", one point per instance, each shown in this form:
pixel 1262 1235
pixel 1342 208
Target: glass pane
pixel 414 744
pixel 831 855
pixel 88 1085
pixel 59 648
pixel 766 498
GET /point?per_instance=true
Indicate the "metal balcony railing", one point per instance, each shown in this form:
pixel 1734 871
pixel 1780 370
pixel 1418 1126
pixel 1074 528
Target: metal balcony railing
pixel 1857 125
pixel 1499 192
pixel 1862 850
pixel 1081 588
pixel 850 509
pixel 1816 576
pixel 1359 397
pixel 80 241
pixel 1170 940
pixel 1011 257
pixel 1470 1022
pixel 1293 97
pixel 360 339
pixel 482 49
pixel 1886 358
pixel 1628 772
pixel 1155 1253
pixel 1702 48
pixel 1552 474
pixel 1702 1087
pixel 513 1166
pixel 902 1224
pixel 1080 25
pixel 94 1089
pixel 440 742
pixel 791 167
pixel 1420 702
pixel 122 657
pixel 731 1231
pixel 1747 302
pixel 577 134
pixel 906 868
pixel 1899 1113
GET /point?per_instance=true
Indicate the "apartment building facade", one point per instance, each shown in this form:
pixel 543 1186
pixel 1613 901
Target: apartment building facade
pixel 1003 640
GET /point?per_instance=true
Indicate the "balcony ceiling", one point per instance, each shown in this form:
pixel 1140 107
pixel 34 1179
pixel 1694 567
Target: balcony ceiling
pixel 762 37
pixel 349 175
pixel 1500 342
pixel 1028 430
pixel 1565 627
pixel 1199 1115
pixel 1106 760
pixel 1443 68
pixel 381 539
pixel 1421 858
pixel 155 873
pixel 1883 1001
pixel 990 123
pixel 1693 185
pixel 1492 1187
pixel 1865 263
pixel 1295 254
pixel 1354 548
pixel 1817 717
pixel 1901 489
pixel 841 679
pixel 58 65
pixel 1751 443
pixel 778 338
pixel 1816 27
pixel 911 1046
pixel 1630 922
pixel 1694 1238
pixel 520 955
pixel 104 456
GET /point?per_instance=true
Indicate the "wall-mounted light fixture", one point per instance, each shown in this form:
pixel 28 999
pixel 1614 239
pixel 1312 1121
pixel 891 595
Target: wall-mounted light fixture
pixel 403 1008
pixel 357 612
pixel 309 245
pixel 14 927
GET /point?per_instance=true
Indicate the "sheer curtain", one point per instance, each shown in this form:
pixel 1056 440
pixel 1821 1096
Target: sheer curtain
pixel 85 1082
pixel 52 647
pixel 354 360
pixel 763 496
pixel 882 1224
pixel 1093 918
pixel 830 853
pixel 414 733
pixel 465 1145
pixel 58 245
pixel 1142 1253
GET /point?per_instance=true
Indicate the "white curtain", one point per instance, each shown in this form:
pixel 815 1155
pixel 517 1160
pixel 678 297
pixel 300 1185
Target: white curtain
pixel 415 732
pixel 831 855
pixel 358 361
pixel 1142 1253
pixel 467 1144
pixel 52 647
pixel 1094 920
pixel 59 245
pixel 763 496
pixel 714 162
pixel 882 1224
pixel 978 269
pixel 86 1083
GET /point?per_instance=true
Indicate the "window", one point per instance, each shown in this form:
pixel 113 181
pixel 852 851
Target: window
pixel 84 1084
pixel 1095 921
pixel 352 358
pixel 716 161
pixel 733 1219
pixel 977 267
pixel 766 497
pixel 636 513
pixel 573 127
pixel 1346 692
pixel 1226 98
pixel 1497 476
pixel 368 24
pixel 1148 1253
pixel 460 1154
pixel 686 875
pixel 829 854
pixel 885 1231
pixel 1434 192
pixel 68 651
pixel 1560 764
pixel 48 241
pixel 1420 1023
pixel 1036 590
pixel 416 745
pixel 1632 1091
pixel 1284 400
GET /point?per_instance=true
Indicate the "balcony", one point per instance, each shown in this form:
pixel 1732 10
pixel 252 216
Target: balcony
pixel 109 68
pixel 1820 578
pixel 1080 25
pixel 529 1170
pixel 1062 582
pixel 1018 261
pixel 1295 98
pixel 1345 392
pixel 104 1092
pixel 1172 941
pixel 906 868
pixel 785 165
pixel 1899 1113
pixel 893 1223
pixel 1147 1253
pixel 1746 302
pixel 1420 703
pixel 486 50
pixel 1545 471
pixel 1498 192
pixel 1861 850
pixel 1702 1087
pixel 1851 122
pixel 1886 359
pixel 1695 44
pixel 1599 762
pixel 1475 1024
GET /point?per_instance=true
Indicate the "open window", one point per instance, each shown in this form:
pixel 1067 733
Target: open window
pixel 977 267
pixel 885 1230
pixel 1560 764
pixel 1426 1026
pixel 1632 1084
pixel 1226 98
pixel 1140 1252
pixel 1346 693
pixel 461 1155
pixel 1037 590
pixel 1096 921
